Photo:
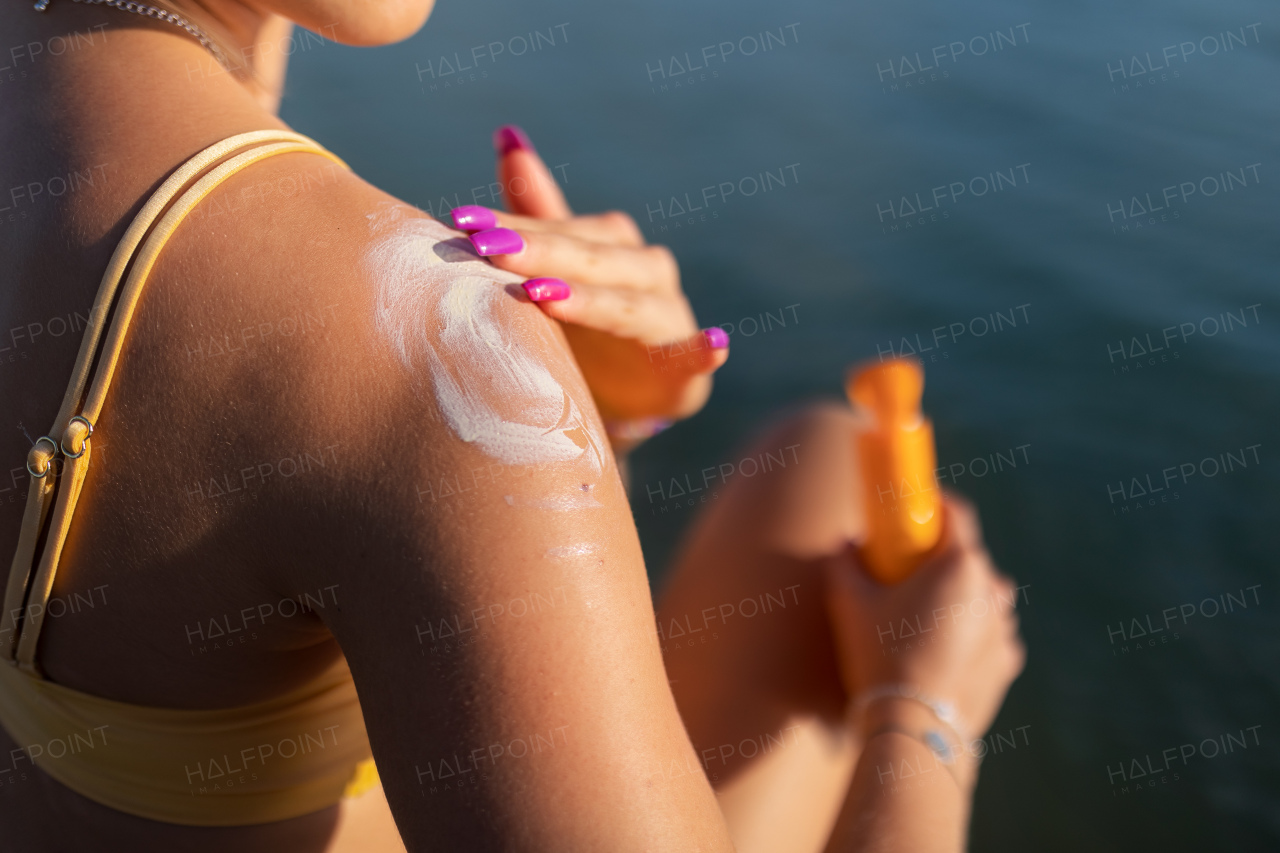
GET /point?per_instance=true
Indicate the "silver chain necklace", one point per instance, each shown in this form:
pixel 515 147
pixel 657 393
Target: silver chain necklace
pixel 160 15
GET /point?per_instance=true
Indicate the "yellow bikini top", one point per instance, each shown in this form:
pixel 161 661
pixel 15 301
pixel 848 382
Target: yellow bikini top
pixel 270 761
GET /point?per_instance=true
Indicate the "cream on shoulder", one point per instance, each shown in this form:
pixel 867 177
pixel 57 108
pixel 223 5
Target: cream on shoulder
pixel 438 308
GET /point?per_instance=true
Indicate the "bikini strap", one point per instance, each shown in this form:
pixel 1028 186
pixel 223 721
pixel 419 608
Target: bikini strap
pixel 58 462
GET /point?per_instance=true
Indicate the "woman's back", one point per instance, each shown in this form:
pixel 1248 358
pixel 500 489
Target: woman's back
pixel 300 386
pixel 149 605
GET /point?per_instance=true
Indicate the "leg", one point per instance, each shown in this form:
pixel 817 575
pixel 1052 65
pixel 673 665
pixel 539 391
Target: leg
pixel 746 639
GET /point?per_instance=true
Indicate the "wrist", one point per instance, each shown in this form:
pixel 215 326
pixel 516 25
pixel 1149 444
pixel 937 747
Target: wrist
pixel 900 713
pixel 918 720
pixel 901 695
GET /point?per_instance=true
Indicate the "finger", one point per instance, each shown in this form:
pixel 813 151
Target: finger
pixel 651 318
pixel 579 261
pixel 1016 657
pixel 612 227
pixel 705 352
pixel 528 184
pixel 1005 591
pixel 963 526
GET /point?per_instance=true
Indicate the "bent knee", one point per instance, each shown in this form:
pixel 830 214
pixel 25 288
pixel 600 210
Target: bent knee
pixel 820 426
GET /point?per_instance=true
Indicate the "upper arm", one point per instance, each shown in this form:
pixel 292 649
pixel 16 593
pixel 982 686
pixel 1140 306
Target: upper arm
pixel 495 613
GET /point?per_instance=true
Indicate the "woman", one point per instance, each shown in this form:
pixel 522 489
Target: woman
pixel 335 437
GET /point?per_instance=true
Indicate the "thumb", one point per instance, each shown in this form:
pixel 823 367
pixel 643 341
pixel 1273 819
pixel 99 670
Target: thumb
pixel 526 181
pixel 704 352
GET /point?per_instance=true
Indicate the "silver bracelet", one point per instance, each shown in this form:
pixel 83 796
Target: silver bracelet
pixel 934 742
pixel 945 711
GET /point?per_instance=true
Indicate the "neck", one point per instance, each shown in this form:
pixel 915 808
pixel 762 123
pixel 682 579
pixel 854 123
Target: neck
pixel 254 43
pixel 93 87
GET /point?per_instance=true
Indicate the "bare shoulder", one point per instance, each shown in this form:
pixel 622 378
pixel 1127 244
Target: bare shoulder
pixel 467 511
pixel 343 324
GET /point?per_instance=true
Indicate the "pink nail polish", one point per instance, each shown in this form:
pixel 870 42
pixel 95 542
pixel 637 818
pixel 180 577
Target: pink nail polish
pixel 473 217
pixel 497 241
pixel 546 289
pixel 716 337
pixel 509 137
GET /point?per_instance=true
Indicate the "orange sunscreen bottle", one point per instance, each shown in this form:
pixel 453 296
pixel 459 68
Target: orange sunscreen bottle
pixel 895 448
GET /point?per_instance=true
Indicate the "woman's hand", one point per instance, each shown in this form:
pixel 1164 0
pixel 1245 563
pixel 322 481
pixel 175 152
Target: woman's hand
pixel 624 314
pixel 950 629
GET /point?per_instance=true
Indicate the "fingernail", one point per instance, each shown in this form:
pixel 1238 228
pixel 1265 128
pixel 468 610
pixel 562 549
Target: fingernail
pixel 546 289
pixel 473 217
pixel 509 137
pixel 497 241
pixel 716 337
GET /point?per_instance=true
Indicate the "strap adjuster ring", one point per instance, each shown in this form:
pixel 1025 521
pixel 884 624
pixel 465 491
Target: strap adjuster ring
pixel 84 445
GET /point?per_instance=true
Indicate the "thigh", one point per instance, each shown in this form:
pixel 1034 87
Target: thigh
pixel 746 640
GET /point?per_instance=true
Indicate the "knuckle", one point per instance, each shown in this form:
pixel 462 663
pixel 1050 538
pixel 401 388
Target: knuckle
pixel 622 224
pixel 665 259
pixel 1019 661
pixel 975 565
pixel 661 252
pixel 964 514
pixel 961 504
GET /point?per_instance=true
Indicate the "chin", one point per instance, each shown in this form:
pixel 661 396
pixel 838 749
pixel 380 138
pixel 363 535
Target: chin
pixel 360 23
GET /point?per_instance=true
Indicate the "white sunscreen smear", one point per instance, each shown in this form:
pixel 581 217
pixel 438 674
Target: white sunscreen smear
pixel 436 306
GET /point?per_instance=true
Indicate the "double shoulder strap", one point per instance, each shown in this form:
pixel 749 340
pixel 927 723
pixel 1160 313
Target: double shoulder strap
pixel 58 462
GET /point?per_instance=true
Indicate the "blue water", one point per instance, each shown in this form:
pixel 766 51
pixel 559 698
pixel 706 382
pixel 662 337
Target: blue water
pixel 811 273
